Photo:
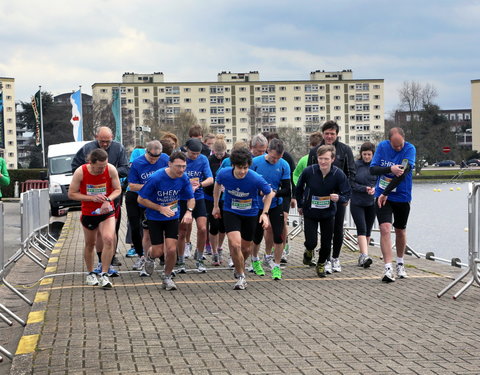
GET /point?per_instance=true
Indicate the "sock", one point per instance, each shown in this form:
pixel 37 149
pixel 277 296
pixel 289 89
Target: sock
pixel 199 255
pixel 276 265
pixel 399 260
pixel 181 259
pixel 268 256
pixel 254 259
pixel 388 266
pixel 99 255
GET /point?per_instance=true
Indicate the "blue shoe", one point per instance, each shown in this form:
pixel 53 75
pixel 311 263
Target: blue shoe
pixel 131 253
pixel 98 270
pixel 112 272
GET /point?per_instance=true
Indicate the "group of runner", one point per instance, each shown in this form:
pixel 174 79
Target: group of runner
pixel 244 196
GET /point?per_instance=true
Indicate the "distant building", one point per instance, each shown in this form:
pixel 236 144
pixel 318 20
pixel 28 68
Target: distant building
pixel 476 114
pixel 239 104
pixel 8 136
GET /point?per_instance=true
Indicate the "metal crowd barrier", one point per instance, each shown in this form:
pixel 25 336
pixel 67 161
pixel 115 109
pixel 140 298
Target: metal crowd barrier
pixel 36 242
pixel 473 244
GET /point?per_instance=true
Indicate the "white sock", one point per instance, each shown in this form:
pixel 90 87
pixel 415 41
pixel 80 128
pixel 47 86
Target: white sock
pixel 254 259
pixel 400 260
pixel 276 265
pixel 388 266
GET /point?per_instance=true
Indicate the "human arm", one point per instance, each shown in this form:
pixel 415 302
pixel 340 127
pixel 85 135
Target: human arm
pixel 187 217
pixel 299 190
pixel 217 190
pixel 302 164
pixel 284 189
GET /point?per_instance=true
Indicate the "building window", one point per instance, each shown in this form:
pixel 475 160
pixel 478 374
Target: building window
pixel 336 97
pixel 376 87
pixel 282 88
pixel 376 107
pixel 145 90
pixel 377 117
pixel 298 119
pixel 243 109
pixel 243 119
pixel 297 88
pixel 283 99
pixel 311 88
pixel 11 154
pixel 268 88
pixel 283 119
pixel 186 89
pixel 242 89
pixel 337 118
pixel 311 98
pixel 161 89
pixel 297 98
pixel 336 87
pixel 337 108
pixel 298 108
pixel 283 109
pixel 201 89
pixel 10 131
pixel 376 96
pixel 243 100
pixel 203 110
pixel 8 86
pixel 216 89
pixel 187 100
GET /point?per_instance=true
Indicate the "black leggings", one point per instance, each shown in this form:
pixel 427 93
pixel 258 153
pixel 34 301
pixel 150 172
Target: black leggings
pixel 135 216
pixel 364 217
pixel 338 230
pixel 215 225
pixel 310 227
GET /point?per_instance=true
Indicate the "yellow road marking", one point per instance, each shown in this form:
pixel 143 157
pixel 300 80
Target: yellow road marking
pixel 47 281
pixel 36 317
pixel 41 297
pixel 50 269
pixel 27 344
pixel 53 260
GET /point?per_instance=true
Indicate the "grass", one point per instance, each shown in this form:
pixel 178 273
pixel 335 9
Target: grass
pixel 469 174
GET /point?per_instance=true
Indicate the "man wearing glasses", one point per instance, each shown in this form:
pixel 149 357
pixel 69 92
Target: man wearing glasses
pixel 118 158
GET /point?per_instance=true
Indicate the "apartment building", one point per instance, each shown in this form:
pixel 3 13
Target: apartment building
pixel 240 104
pixel 476 114
pixel 8 133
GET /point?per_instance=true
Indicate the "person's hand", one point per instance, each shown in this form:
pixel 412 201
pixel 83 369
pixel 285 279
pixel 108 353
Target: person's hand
pixel 334 197
pixel 300 211
pixel 397 170
pixel 166 211
pixel 187 218
pixel 216 213
pixel 99 198
pixel 370 190
pixel 106 207
pixel 264 221
pixel 381 200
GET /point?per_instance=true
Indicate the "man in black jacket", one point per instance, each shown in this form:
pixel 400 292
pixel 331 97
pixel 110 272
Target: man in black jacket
pixel 345 161
pixel 118 158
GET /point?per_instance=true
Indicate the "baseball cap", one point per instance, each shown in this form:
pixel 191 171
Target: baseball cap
pixel 194 144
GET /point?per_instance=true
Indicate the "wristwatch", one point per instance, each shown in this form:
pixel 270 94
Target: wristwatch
pixel 108 199
pixel 265 213
pixel 189 209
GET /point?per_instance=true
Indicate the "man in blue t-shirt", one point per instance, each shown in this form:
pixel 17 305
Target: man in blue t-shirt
pixel 200 175
pixel 161 195
pixel 393 162
pixel 240 208
pixel 276 172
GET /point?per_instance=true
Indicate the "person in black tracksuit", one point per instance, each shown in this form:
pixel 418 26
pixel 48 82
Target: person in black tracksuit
pixel 345 161
pixel 320 190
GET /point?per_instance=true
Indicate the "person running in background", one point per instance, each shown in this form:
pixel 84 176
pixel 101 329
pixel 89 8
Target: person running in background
pixel 345 161
pixel 200 175
pixel 216 227
pixel 140 170
pixel 240 209
pixel 172 139
pixel 4 177
pixel 160 195
pixel 96 185
pixel 321 188
pixel 362 205
pixel 393 163
pixel 276 172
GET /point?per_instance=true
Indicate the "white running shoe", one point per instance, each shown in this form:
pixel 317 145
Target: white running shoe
pixel 138 265
pixel 168 284
pixel 328 267
pixel 401 273
pixel 388 276
pixel 149 266
pixel 188 250
pixel 241 283
pixel 92 279
pixel 336 267
pixel 105 282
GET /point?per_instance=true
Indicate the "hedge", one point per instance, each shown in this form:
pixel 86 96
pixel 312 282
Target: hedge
pixel 21 175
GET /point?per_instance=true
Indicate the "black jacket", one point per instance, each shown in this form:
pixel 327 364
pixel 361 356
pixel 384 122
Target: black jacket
pixel 343 158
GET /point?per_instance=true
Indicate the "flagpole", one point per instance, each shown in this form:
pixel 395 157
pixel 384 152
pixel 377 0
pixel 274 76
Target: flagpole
pixel 81 114
pixel 41 127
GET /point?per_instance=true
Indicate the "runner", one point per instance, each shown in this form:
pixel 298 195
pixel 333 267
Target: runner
pixel 96 185
pixel 393 162
pixel 160 195
pixel 320 190
pixel 140 170
pixel 241 207
pixel 200 175
pixel 276 172
pixel 362 206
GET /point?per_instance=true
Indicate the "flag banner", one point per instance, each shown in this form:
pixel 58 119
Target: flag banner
pixel 116 108
pixel 36 113
pixel 2 128
pixel 77 117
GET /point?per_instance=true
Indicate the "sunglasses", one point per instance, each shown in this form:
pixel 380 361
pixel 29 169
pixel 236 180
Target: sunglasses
pixel 154 155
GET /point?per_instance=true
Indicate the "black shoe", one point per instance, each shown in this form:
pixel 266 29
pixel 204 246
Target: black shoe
pixel 307 257
pixel 116 262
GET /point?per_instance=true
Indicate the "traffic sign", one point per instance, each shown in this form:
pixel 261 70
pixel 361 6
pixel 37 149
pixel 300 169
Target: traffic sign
pixel 446 149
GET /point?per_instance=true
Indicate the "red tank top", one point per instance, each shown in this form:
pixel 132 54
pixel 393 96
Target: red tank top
pixel 94 185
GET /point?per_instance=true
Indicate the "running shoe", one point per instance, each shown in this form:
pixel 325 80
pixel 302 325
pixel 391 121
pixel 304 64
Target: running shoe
pixel 388 276
pixel 92 279
pixel 230 263
pixel 276 273
pixel 328 267
pixel 215 260
pixel 168 284
pixel 116 262
pixel 336 267
pixel 112 272
pixel 257 268
pixel 208 249
pixel 149 266
pixel 131 253
pixel 98 270
pixel 201 267
pixel 181 268
pixel 220 255
pixel 241 283
pixel 320 268
pixel 188 250
pixel 143 273
pixel 105 282
pixel 307 257
pixel 401 273
pixel 138 265
pixel 364 261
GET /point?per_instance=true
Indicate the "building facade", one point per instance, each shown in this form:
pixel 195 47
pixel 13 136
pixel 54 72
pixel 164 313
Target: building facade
pixel 240 104
pixel 8 133
pixel 476 114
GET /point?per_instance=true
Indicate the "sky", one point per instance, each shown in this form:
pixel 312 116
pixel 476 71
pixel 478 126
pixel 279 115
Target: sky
pixel 61 45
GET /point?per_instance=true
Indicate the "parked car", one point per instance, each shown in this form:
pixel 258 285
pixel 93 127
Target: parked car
pixel 473 162
pixel 445 163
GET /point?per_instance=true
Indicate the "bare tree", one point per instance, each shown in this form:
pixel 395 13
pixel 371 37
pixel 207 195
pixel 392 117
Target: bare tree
pixel 294 141
pixel 255 120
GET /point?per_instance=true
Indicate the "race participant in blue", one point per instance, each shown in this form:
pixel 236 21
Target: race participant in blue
pixel 140 170
pixel 276 172
pixel 393 162
pixel 200 175
pixel 320 189
pixel 240 208
pixel 160 195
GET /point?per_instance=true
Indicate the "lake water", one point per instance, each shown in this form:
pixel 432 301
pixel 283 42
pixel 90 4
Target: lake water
pixel 438 220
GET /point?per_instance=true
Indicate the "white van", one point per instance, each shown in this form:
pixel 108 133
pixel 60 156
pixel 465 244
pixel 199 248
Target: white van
pixel 60 157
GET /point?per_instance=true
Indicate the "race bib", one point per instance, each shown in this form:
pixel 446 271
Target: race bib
pixel 241 204
pixel 384 181
pixel 320 202
pixel 195 181
pixel 174 206
pixel 97 189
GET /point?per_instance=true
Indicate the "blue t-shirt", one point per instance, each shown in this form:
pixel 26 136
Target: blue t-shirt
pixel 136 153
pixel 164 190
pixel 386 156
pixel 141 169
pixel 225 163
pixel 241 194
pixel 273 174
pixel 199 170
